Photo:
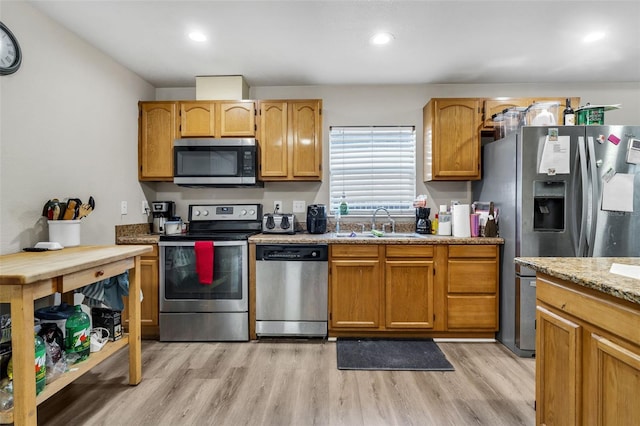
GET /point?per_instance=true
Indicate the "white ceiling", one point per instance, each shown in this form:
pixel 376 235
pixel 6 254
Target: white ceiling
pixel 299 42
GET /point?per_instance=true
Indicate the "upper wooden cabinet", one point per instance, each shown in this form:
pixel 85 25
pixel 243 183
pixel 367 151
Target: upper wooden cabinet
pixel 160 123
pixel 497 105
pixel 157 129
pixel 290 139
pixel 452 139
pixel 217 119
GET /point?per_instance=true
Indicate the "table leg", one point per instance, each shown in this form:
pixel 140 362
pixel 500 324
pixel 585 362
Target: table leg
pixel 135 317
pixel 23 355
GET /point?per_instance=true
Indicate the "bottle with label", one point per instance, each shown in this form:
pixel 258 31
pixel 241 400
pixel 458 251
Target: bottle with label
pixel 434 225
pixel 344 207
pixel 41 364
pixel 569 115
pixel 78 334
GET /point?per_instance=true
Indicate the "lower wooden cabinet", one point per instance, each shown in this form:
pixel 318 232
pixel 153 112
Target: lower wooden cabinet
pixel 413 290
pixel 587 356
pixel 408 285
pixel 472 287
pixel 149 284
pixel 355 287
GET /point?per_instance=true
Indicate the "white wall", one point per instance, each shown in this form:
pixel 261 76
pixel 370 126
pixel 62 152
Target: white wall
pixel 389 105
pixel 68 127
pixel 68 121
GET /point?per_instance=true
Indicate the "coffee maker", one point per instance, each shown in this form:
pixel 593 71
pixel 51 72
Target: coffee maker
pixel 317 219
pixel 423 223
pixel 162 212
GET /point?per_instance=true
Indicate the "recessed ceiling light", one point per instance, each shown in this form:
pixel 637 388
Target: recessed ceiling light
pixel 197 36
pixel 595 36
pixel 382 38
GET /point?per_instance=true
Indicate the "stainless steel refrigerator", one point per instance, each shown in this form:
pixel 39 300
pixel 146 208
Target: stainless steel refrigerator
pixel 561 191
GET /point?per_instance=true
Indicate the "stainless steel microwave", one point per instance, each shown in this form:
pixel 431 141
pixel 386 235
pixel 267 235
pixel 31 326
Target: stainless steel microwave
pixel 215 162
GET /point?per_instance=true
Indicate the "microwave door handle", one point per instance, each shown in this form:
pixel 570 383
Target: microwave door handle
pixel 595 190
pixel 582 239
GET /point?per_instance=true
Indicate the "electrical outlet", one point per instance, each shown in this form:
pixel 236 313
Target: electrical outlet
pixel 277 206
pixel 123 207
pixel 298 206
pixel 145 207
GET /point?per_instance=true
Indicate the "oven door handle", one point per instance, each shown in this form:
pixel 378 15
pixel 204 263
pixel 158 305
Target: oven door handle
pixel 193 243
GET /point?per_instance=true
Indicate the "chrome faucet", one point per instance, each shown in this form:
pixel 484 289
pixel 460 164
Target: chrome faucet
pixel 373 219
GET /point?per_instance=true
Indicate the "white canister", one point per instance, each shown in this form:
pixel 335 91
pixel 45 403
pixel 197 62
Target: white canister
pixel 444 224
pixel 173 227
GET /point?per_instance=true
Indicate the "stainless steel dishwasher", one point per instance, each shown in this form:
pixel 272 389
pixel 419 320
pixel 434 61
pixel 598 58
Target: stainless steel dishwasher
pixel 291 290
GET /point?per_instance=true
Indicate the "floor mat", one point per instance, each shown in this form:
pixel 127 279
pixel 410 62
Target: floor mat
pixel 391 354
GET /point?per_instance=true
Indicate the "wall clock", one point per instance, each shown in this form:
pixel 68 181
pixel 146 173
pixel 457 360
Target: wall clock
pixel 10 54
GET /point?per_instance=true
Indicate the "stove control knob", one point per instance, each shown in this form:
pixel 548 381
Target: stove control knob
pixel 205 213
pixel 243 212
pixel 196 212
pixel 252 212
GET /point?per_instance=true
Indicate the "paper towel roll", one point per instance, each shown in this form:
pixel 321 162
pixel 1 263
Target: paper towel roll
pixel 460 220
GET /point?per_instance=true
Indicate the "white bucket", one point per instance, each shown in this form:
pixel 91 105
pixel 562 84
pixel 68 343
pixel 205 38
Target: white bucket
pixel 65 232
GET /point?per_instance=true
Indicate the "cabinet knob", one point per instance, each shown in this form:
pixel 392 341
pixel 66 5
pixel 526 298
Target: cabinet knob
pixel 99 273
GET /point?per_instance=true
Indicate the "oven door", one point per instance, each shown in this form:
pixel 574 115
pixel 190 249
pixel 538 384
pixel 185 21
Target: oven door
pixel 180 289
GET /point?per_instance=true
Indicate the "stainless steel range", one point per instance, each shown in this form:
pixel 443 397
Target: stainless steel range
pixel 204 274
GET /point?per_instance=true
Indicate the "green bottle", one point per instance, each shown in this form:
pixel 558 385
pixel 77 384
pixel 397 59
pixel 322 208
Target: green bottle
pixel 41 364
pixel 344 207
pixel 77 338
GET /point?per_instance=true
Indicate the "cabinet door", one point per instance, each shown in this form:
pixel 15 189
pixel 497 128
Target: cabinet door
pixel 495 106
pixel 355 294
pixel 197 119
pixel 306 140
pixel 456 139
pixel 157 128
pixel 237 119
pixel 613 374
pixel 273 139
pixel 558 369
pixel 149 279
pixel 409 294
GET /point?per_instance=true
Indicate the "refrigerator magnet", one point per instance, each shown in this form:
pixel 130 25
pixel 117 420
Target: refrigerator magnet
pixel 613 139
pixel 601 139
pixel 608 175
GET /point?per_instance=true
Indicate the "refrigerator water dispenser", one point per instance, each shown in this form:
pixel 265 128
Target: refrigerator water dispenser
pixel 548 205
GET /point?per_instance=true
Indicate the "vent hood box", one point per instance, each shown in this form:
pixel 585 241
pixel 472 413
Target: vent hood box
pixel 221 87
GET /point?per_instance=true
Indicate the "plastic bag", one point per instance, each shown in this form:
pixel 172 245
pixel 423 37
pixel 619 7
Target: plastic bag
pixel 54 342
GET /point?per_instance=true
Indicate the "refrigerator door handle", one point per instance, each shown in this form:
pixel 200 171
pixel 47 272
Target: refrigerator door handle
pixel 582 238
pixel 594 193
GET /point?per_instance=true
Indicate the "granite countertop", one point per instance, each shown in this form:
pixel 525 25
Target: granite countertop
pixel 332 238
pixel 591 272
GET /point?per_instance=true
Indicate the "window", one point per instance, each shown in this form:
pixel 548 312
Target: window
pixel 374 167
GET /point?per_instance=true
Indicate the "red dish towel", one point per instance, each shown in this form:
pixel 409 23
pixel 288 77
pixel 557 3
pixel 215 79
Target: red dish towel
pixel 204 261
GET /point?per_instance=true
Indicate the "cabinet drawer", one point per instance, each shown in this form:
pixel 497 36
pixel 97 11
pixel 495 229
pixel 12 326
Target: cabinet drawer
pixel 409 251
pixel 354 250
pixel 472 312
pixel 478 276
pixel 473 251
pixel 81 278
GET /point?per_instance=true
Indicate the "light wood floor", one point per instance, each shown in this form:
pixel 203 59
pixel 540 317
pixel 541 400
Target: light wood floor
pixel 295 383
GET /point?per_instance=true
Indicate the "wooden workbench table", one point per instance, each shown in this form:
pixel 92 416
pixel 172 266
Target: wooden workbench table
pixel 25 277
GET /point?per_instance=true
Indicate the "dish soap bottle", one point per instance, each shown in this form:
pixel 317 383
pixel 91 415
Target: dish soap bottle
pixel 344 207
pixel 78 334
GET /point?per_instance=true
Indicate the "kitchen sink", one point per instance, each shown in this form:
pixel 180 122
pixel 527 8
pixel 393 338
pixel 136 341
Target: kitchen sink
pixel 385 236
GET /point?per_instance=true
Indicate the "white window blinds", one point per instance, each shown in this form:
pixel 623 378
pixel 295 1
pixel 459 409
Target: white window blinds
pixel 374 167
